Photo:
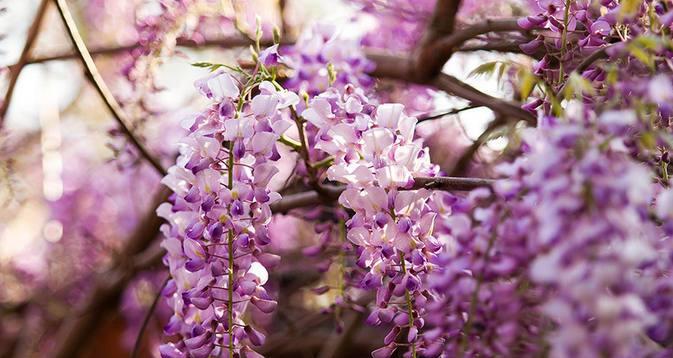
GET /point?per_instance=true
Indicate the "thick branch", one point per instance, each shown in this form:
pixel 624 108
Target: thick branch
pixel 436 51
pixel 444 17
pixel 97 81
pixel 15 70
pixel 458 88
pixel 398 68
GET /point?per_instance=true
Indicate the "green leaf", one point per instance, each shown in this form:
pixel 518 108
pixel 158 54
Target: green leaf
pixel 214 66
pixel 648 140
pixel 642 56
pixel 202 64
pixel 527 82
pixel 576 86
pixel 331 74
pixel 555 104
pixel 485 69
pixel 501 73
pixel 613 75
pixel 629 7
pixel 646 42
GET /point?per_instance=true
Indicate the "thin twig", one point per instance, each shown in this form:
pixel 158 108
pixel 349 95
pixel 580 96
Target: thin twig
pixel 588 62
pixel 146 320
pixel 429 117
pixel 97 81
pixel 463 162
pixel 239 41
pixel 595 56
pixel 15 70
pixel 399 68
pixel 224 42
pixel 310 198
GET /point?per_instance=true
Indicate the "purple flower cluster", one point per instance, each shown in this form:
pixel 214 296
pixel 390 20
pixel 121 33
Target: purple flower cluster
pixel 218 219
pixel 376 156
pixel 631 35
pixel 484 305
pixel 564 253
pixel 592 233
pixel 322 46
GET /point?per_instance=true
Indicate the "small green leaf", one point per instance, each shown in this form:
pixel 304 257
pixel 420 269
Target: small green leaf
pixel 646 42
pixel 576 86
pixel 202 64
pixel 331 74
pixel 526 83
pixel 629 7
pixel 501 73
pixel 642 56
pixel 613 75
pixel 485 69
pixel 648 140
pixel 555 104
pixel 276 35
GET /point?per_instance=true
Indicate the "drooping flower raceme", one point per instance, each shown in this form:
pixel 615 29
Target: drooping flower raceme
pixel 593 234
pixel 376 156
pixel 570 255
pixel 218 219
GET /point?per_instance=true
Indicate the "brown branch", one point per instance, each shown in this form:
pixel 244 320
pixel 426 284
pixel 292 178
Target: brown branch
pixel 435 51
pixel 77 330
pixel 310 198
pixel 224 42
pixel 337 340
pixel 463 162
pixel 442 23
pixel 444 17
pixel 458 88
pixel 451 183
pixel 589 60
pixel 97 81
pixel 399 68
pixel 146 319
pixel 431 116
pixel 15 70
pixel 241 41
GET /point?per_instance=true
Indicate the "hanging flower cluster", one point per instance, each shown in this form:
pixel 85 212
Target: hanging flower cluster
pixel 576 36
pixel 218 218
pixel 376 156
pixel 593 234
pixel 565 251
pixel 484 306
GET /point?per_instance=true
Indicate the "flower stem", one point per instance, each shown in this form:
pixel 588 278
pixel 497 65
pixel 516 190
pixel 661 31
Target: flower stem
pixel 230 250
pixel 564 37
pixel 341 260
pixel 410 307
